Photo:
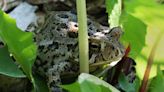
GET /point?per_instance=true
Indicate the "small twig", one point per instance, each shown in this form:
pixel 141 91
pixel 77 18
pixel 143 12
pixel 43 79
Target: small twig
pixel 149 64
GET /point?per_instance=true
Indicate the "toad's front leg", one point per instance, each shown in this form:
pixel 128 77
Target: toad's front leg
pixel 53 75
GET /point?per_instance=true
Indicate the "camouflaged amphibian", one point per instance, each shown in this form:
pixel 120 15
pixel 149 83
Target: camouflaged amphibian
pixel 57 42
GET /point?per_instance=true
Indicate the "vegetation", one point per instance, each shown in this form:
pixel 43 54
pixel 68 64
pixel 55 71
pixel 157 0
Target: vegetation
pixel 83 36
pixel 141 21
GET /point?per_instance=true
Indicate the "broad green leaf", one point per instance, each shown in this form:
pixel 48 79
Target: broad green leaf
pixel 19 43
pixel 157 83
pixel 87 86
pixel 7 65
pixel 74 87
pixel 114 12
pixel 126 86
pixel 90 83
pixel 135 31
pixel 110 5
pixel 104 89
pixel 151 13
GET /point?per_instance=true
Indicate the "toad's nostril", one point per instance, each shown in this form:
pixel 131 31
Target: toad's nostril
pixel 75 25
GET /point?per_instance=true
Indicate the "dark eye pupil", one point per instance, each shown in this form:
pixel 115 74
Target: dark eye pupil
pixel 94 45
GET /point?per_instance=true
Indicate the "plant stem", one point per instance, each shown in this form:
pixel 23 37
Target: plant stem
pixel 149 64
pixel 83 35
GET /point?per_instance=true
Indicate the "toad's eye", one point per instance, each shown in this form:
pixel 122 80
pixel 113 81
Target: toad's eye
pixel 94 45
pixel 116 32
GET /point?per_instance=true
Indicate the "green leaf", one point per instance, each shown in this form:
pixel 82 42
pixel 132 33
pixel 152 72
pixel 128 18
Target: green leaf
pixel 19 43
pixel 104 89
pixel 114 12
pixel 135 31
pixel 87 86
pixel 151 13
pixel 74 87
pixel 7 65
pixel 110 5
pixel 90 83
pixel 126 85
pixel 157 83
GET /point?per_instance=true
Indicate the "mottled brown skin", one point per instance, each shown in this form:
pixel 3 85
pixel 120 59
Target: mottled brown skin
pixel 58 46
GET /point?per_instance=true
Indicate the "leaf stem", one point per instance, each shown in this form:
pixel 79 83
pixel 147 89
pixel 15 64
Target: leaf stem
pixel 149 64
pixel 83 35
